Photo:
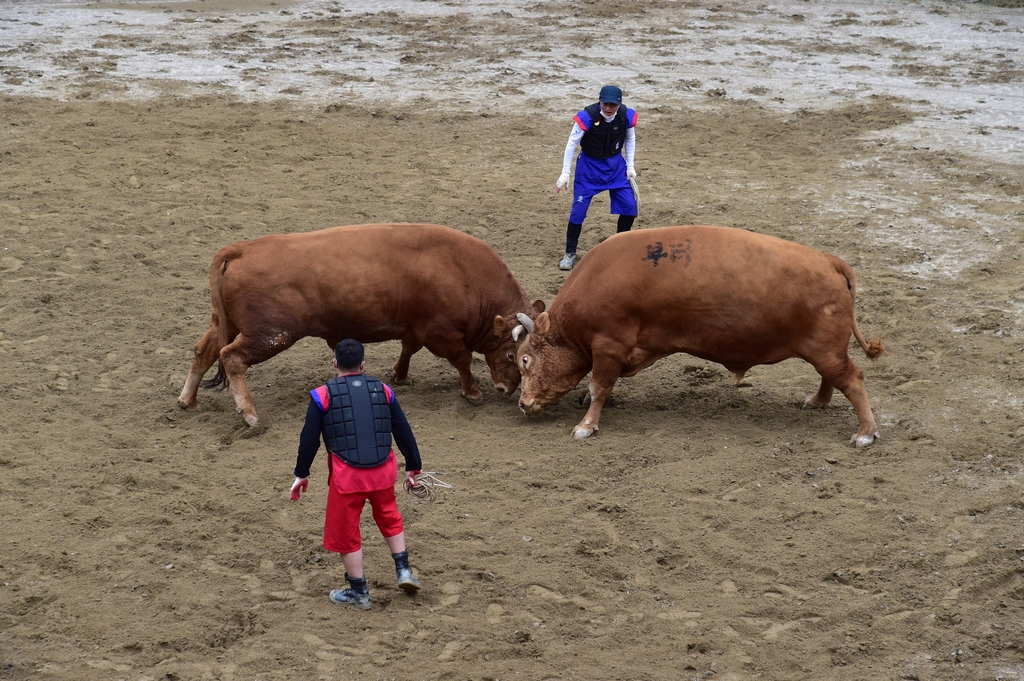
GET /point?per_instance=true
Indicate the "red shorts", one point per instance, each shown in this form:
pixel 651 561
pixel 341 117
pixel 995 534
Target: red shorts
pixel 341 524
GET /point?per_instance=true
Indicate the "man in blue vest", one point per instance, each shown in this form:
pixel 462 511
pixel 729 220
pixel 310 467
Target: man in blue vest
pixel 356 415
pixel 604 131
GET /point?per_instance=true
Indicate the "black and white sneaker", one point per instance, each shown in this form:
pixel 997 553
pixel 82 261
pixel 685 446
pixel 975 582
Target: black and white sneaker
pixel 351 597
pixel 407 581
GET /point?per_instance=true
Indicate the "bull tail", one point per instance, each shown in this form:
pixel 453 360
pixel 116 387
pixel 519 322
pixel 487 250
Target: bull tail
pixel 217 270
pixel 219 378
pixel 873 348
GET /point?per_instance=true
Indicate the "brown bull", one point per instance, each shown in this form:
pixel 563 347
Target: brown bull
pixel 725 295
pixel 426 285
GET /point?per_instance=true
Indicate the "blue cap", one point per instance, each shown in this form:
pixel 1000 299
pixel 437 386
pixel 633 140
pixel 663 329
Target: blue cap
pixel 611 95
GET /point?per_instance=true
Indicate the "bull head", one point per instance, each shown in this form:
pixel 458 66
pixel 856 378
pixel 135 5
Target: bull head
pixel 502 358
pixel 549 366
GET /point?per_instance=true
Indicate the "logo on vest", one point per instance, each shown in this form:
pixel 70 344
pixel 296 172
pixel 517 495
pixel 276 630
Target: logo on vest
pixel 356 384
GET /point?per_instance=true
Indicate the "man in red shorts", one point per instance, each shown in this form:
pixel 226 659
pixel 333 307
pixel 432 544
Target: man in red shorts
pixel 357 414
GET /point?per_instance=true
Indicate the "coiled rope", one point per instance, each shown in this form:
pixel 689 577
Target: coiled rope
pixel 426 489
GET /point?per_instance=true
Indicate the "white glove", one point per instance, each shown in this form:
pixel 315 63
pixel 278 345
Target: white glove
pixel 630 173
pixel 563 182
pixel 298 487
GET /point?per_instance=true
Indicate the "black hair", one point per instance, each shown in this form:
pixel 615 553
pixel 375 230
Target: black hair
pixel 349 354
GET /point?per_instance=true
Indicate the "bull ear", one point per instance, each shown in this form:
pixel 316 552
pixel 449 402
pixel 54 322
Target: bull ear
pixel 500 326
pixel 542 325
pixel 539 305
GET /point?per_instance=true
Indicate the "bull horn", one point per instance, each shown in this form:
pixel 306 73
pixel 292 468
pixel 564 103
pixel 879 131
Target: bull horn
pixel 525 321
pixel 517 331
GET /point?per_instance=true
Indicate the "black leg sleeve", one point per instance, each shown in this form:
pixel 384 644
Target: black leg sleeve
pixel 625 223
pixel 572 236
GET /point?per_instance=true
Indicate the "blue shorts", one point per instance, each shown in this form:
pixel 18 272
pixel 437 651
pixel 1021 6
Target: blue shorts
pixel 595 175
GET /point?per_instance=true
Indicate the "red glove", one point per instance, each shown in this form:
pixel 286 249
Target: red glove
pixel 411 476
pixel 298 487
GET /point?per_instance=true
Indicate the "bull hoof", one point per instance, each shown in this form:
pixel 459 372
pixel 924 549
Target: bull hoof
pixel 188 406
pixel 864 440
pixel 812 403
pixel 583 432
pixel 250 419
pixel 476 401
pixel 404 381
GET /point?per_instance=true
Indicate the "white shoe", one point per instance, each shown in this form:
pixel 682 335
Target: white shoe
pixel 567 261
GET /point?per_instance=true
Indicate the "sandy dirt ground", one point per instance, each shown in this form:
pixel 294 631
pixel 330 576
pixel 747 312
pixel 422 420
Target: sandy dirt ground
pixel 708 531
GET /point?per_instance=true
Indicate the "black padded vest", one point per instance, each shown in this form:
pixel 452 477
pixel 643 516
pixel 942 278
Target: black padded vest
pixel 604 139
pixel 357 424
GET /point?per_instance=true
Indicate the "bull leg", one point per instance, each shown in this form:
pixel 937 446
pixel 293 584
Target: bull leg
pixel 460 357
pixel 820 399
pixel 461 360
pixel 850 381
pixel 606 371
pixel 638 361
pixel 448 344
pixel 238 356
pixel 401 368
pixel 205 354
pixel 470 387
pixel 235 368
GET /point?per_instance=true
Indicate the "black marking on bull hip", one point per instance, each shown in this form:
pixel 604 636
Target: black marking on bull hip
pixel 656 252
pixel 682 252
pixel 676 252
